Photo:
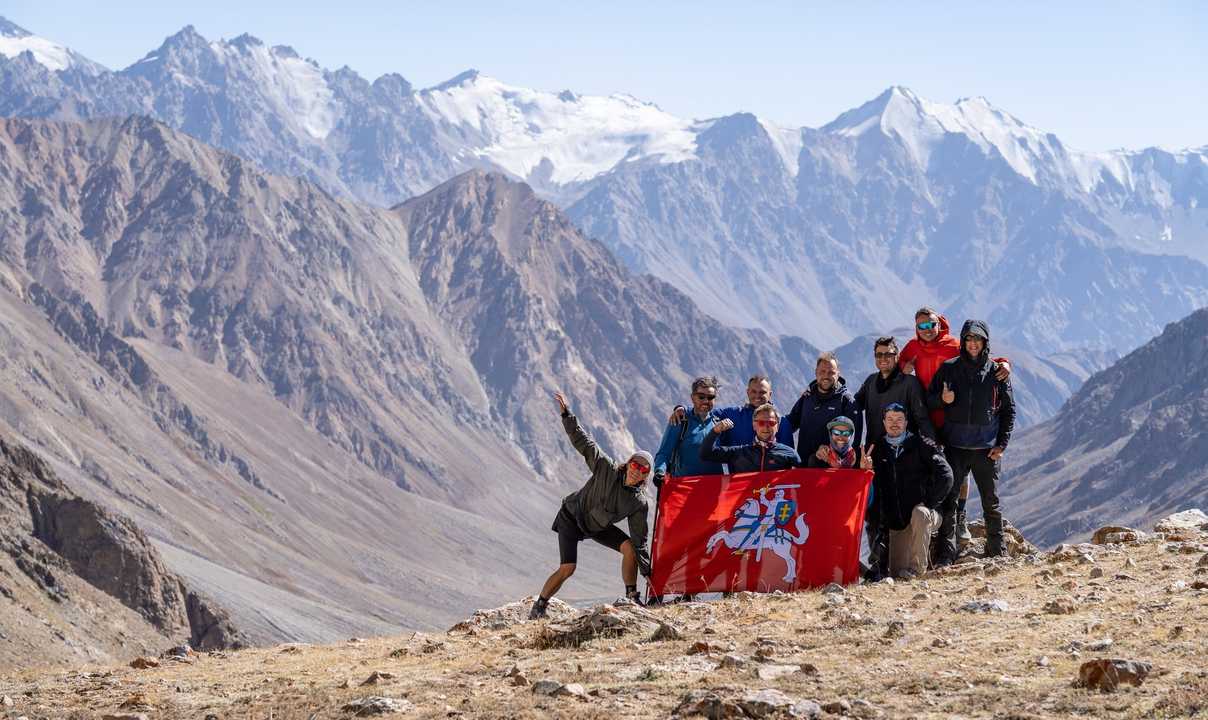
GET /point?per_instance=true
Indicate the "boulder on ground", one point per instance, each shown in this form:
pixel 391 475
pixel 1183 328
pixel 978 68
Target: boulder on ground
pixel 1106 675
pixel 1187 524
pixel 376 705
pixel 512 614
pixel 1013 540
pixel 604 621
pixel 1115 534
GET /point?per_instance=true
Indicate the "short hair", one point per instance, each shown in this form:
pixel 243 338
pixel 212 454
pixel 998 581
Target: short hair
pixel 705 381
pixel 766 408
pixel 827 357
pixel 758 378
pixel 887 340
pixel 926 310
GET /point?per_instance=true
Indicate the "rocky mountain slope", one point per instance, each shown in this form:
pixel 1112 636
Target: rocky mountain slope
pixel 258 373
pixel 1130 445
pixel 823 233
pixel 79 584
pixel 1104 631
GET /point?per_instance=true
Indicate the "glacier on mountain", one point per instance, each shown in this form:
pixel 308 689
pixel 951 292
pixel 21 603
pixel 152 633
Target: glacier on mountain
pixel 581 136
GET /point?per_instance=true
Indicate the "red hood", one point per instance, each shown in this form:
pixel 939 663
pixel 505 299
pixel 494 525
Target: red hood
pixel 943 340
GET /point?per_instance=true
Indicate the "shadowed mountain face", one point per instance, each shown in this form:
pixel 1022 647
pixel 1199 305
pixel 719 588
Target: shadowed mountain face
pixel 1128 447
pixel 334 418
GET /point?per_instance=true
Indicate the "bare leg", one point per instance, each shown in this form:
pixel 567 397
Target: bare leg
pixel 559 576
pixel 629 564
pixel 965 489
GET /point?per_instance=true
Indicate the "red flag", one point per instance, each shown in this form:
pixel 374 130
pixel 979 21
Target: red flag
pixel 782 530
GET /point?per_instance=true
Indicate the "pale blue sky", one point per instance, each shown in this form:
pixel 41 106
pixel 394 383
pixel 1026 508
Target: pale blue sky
pixel 1099 75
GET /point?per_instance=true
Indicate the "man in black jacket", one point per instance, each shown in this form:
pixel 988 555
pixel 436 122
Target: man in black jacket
pixel 825 399
pixel 762 454
pixel 979 415
pixel 613 493
pixel 890 385
pixel 910 481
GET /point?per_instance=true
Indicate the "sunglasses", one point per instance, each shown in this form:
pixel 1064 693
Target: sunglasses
pixel 767 423
pixel 926 325
pixel 702 396
pixel 640 467
pixel 883 355
pixel 841 433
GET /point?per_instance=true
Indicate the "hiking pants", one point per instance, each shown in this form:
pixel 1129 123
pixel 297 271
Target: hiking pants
pixel 985 474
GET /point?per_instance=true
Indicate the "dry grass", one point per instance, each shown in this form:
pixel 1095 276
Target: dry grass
pixel 938 662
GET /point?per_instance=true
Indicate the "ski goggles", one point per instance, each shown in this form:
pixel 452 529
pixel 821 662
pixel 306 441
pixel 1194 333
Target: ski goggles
pixel 926 325
pixel 841 433
pixel 639 467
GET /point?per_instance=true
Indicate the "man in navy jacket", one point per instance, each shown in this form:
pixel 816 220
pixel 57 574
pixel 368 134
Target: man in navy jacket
pixel 764 453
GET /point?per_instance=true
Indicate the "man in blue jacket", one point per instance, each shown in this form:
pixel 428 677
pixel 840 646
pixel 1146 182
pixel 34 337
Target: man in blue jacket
pixel 679 452
pixel 763 453
pixel 979 415
pixel 759 393
pixel 825 399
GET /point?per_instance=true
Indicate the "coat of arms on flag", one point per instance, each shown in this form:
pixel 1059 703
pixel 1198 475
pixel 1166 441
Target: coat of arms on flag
pixel 781 530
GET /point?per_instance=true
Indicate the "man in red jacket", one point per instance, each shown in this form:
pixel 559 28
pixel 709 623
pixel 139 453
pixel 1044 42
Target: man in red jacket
pixel 931 347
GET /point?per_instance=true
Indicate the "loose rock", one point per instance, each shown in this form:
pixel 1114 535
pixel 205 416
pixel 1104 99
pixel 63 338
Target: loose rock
pixel 1111 534
pixel 376 705
pixel 709 704
pixel 376 676
pixel 1107 675
pixel 772 672
pixel 984 606
pixel 601 621
pixel 1060 606
pixel 143 663
pixel 666 632
pixel 732 661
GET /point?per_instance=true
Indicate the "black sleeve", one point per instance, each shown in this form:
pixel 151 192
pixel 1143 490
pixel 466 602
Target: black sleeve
pixel 918 408
pixel 941 477
pixel 935 401
pixel 710 452
pixel 794 416
pixel 1006 413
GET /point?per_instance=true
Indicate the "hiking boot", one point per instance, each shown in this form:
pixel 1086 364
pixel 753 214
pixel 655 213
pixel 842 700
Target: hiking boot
pixel 943 558
pixel 538 611
pixel 994 547
pixel 963 536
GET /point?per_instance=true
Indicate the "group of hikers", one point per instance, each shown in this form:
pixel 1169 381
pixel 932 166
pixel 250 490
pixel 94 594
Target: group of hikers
pixel 933 413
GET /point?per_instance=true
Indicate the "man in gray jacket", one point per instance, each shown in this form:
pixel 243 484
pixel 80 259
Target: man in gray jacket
pixel 613 493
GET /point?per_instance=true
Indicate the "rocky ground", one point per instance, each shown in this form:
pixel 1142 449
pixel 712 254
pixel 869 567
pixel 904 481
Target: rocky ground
pixel 987 638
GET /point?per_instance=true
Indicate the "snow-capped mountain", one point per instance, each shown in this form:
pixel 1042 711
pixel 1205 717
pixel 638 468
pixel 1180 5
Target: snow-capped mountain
pixel 16 40
pixel 826 233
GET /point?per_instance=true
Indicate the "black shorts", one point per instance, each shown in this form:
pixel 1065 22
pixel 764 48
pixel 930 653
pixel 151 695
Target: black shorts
pixel 570 535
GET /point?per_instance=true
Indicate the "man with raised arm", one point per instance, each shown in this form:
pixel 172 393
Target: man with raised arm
pixel 612 493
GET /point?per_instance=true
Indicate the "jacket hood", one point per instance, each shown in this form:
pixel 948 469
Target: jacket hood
pixel 977 328
pixel 943 338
